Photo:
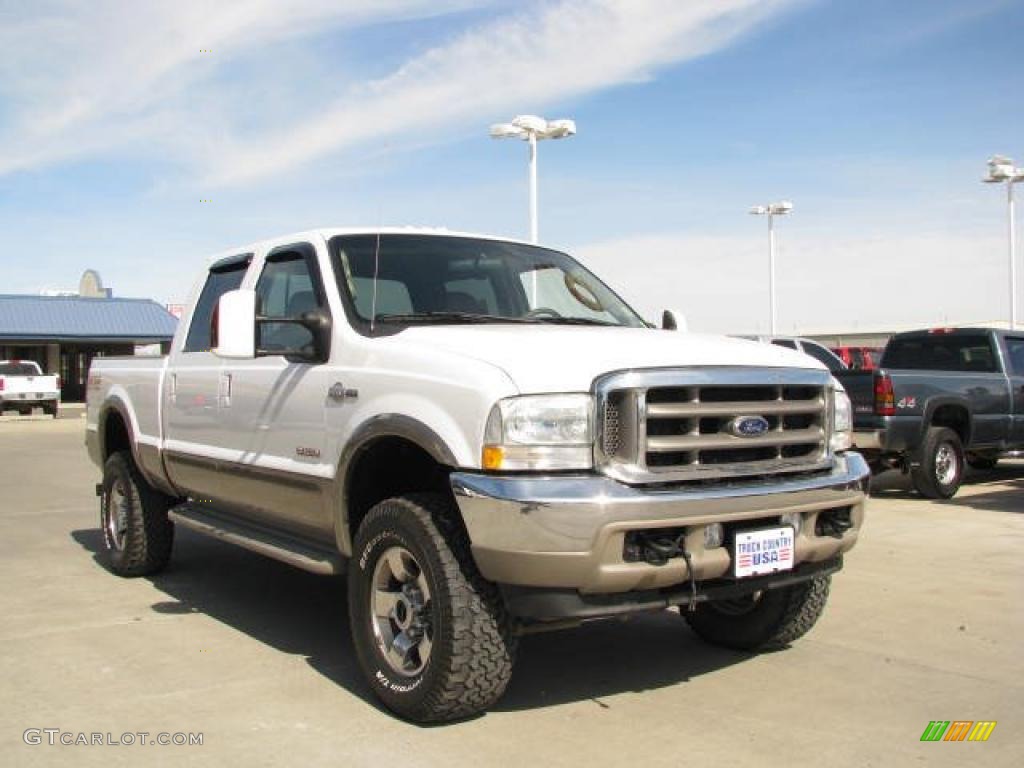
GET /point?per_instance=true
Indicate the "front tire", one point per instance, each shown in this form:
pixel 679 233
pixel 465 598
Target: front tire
pixel 763 621
pixel 431 634
pixel 942 464
pixel 133 517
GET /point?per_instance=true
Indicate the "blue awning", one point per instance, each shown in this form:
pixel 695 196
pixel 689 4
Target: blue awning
pixel 73 318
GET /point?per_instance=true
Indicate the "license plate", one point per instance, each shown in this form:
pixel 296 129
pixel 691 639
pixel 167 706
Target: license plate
pixel 764 551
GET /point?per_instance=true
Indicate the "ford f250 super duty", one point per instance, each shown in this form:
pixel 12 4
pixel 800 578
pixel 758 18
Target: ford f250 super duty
pixel 941 399
pixel 488 442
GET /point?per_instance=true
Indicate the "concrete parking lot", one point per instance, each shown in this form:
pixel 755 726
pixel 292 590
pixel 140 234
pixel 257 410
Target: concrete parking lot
pixel 925 623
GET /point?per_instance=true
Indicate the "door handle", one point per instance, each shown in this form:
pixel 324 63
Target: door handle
pixel 174 388
pixel 225 390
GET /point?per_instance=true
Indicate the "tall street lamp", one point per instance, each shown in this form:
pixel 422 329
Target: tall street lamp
pixel 1002 170
pixel 771 211
pixel 532 129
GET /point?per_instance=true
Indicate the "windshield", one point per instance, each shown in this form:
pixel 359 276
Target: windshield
pixel 437 279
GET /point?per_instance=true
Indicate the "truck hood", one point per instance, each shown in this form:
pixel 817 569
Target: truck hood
pixel 549 358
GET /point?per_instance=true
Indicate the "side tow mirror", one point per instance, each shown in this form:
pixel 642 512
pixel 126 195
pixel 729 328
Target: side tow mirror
pixel 673 320
pixel 318 322
pixel 234 325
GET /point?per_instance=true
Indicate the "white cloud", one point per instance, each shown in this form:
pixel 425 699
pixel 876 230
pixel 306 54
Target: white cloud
pixel 95 78
pixel 83 78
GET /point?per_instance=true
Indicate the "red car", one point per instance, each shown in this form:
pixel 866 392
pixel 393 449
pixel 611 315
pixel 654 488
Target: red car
pixel 859 358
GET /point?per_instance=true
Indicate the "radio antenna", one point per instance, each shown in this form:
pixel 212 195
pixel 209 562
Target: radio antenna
pixel 376 272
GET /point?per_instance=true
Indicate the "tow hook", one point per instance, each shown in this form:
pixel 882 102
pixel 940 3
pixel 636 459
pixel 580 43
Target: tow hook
pixel 692 605
pixel 834 523
pixel 658 549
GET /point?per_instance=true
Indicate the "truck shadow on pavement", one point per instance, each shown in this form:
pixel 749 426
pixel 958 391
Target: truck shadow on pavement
pixel 1007 497
pixel 300 613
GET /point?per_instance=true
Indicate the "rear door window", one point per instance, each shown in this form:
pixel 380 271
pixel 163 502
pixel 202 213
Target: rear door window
pixel 226 275
pixel 1015 350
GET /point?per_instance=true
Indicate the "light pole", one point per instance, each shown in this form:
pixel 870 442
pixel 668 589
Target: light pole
pixel 771 211
pixel 1002 170
pixel 532 129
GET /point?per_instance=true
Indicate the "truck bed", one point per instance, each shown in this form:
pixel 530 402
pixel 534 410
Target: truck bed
pixel 134 384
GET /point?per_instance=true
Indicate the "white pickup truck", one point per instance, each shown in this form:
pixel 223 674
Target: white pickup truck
pixel 23 386
pixel 489 442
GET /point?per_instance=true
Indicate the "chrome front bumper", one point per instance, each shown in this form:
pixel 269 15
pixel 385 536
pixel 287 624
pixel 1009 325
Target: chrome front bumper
pixel 870 440
pixel 570 531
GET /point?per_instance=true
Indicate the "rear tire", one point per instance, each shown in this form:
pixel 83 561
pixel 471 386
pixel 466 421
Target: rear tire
pixel 133 517
pixel 763 621
pixel 431 634
pixel 942 464
pixel 50 409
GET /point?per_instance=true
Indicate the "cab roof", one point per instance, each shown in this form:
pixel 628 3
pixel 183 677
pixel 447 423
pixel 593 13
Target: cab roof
pixel 329 232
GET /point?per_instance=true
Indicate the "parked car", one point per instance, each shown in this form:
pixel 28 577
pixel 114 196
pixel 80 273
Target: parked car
pixel 859 358
pixel 23 386
pixel 489 442
pixel 941 399
pixel 819 352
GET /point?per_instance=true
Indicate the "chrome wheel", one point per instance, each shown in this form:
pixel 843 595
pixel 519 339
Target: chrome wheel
pixel 115 524
pixel 400 611
pixel 947 465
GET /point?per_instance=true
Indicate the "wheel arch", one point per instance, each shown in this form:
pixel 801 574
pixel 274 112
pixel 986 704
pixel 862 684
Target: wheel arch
pixel 950 412
pixel 116 430
pixel 377 444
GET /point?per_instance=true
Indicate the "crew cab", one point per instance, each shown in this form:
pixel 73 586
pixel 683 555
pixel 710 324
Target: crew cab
pixel 942 398
pixel 488 441
pixel 23 387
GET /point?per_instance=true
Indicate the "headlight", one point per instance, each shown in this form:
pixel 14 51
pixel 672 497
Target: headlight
pixel 842 421
pixel 540 432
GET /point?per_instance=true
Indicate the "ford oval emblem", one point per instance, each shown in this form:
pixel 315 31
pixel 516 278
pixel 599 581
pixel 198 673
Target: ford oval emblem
pixel 748 426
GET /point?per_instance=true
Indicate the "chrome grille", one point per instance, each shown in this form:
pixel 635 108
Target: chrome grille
pixel 610 439
pixel 661 426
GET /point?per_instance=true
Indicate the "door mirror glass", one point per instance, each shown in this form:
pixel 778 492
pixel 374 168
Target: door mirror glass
pixel 234 325
pixel 309 341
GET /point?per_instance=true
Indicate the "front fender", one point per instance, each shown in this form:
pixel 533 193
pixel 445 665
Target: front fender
pixel 425 436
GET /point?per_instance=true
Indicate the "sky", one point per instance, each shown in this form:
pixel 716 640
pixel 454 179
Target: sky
pixel 137 138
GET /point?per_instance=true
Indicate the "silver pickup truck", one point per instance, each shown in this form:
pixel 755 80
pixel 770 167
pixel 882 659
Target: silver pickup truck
pixel 488 441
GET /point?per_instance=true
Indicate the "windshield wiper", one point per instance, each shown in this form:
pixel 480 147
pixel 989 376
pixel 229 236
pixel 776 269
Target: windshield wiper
pixel 448 317
pixel 573 321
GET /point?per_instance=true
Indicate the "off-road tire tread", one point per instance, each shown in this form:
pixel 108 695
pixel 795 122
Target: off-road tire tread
pixel 478 666
pixel 803 604
pixel 150 535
